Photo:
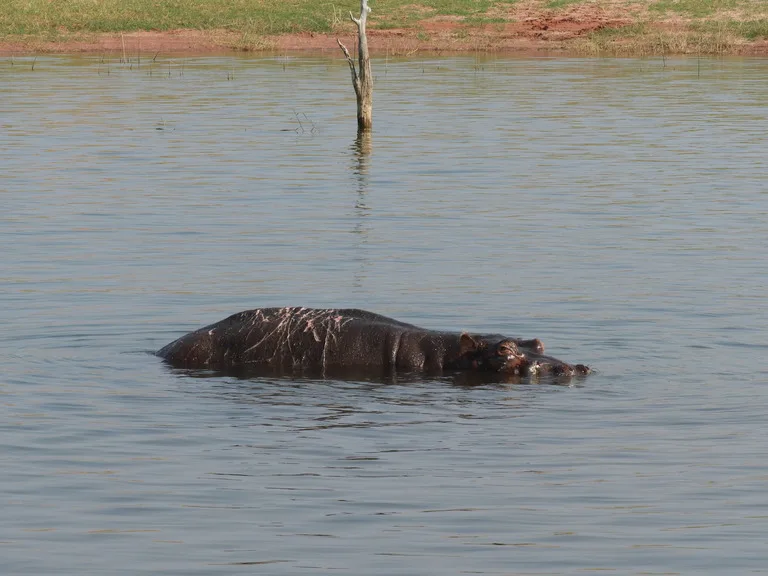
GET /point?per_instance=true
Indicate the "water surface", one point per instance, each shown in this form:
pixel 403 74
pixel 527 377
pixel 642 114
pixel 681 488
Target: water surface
pixel 616 209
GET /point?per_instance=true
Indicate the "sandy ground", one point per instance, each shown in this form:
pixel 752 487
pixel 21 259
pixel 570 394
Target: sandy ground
pixel 530 29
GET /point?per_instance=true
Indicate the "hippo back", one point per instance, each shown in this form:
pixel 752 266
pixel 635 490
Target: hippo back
pixel 292 338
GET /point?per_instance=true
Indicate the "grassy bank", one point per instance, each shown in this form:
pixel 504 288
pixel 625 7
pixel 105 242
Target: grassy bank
pixel 596 26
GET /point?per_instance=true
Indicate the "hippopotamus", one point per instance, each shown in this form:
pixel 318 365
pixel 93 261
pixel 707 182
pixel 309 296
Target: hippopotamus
pixel 322 341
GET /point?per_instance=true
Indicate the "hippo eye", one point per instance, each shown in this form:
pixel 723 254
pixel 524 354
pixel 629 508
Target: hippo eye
pixel 505 350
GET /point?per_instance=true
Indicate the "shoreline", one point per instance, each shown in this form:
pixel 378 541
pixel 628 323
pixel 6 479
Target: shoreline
pixel 394 43
pixel 589 34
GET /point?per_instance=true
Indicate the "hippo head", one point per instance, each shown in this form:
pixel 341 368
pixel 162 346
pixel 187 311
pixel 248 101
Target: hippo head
pixel 491 354
pixel 500 354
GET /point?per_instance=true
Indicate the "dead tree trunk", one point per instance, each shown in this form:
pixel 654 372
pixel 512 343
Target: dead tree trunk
pixel 362 80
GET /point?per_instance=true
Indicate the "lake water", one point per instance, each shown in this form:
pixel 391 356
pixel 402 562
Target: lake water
pixel 616 209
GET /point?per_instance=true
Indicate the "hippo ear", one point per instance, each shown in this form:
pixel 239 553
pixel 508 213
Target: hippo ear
pixel 467 344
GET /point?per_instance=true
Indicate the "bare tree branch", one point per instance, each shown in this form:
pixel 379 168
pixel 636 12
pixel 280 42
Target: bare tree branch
pixel 351 62
pixel 362 78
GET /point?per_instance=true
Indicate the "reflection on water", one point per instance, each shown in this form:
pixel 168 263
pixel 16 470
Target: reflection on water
pixel 360 375
pixel 361 156
pixel 613 208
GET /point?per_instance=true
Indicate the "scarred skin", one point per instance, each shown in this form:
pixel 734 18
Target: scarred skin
pixel 327 340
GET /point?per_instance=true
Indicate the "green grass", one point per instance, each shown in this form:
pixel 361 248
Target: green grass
pixel 750 29
pixel 484 20
pixel 439 7
pixel 696 8
pixel 21 17
pixel 710 8
pixel 400 13
pixel 554 4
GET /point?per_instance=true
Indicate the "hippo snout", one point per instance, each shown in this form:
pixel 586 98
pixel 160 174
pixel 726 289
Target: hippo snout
pixel 546 368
